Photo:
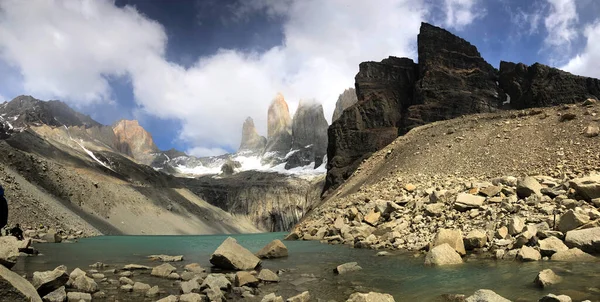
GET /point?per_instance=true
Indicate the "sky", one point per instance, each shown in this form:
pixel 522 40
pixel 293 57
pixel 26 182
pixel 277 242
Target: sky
pixel 191 71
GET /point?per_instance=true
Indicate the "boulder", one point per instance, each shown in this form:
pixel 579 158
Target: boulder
pixel 442 255
pixel 515 225
pixel 266 275
pixel 141 287
pixel 152 292
pixel 166 258
pixel 527 254
pixel 251 141
pixel 170 298
pixel 466 201
pixel 573 255
pixel 555 298
pixel 191 297
pixel 275 249
pixel 272 298
pixel 452 237
pixel 79 297
pixel 486 295
pixel 370 297
pixel 490 191
pixel 15 288
pixel 475 239
pixel 346 268
pixel 372 218
pixel 244 278
pixel 587 187
pixel 547 278
pixel 231 255
pixel 52 237
pixel 9 251
pixel 163 270
pixel 125 280
pixel 49 281
pixel 528 186
pixel 571 220
pixel 187 287
pixel 215 281
pixel 85 284
pixel 434 209
pixel 551 245
pixel 303 297
pixel 501 233
pixel 136 267
pixel 588 240
pixel 194 268
pixel 58 295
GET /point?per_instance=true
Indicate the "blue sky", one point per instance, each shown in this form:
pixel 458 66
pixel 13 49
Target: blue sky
pixel 191 71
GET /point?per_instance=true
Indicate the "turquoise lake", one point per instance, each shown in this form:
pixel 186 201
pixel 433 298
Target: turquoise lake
pixel 310 267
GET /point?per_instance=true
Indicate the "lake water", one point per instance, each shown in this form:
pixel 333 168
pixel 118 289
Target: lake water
pixel 310 266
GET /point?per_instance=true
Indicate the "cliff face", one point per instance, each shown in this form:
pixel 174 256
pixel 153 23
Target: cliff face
pixel 345 100
pixel 539 85
pixel 279 126
pixel 134 140
pixel 309 132
pixel 251 141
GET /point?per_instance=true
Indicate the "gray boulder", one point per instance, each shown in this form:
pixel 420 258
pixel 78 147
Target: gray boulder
pixel 275 249
pixel 166 258
pixel 15 288
pixel 9 251
pixel 551 245
pixel 215 281
pixel 346 268
pixel 370 297
pixel 266 275
pixel 587 187
pixel 49 281
pixel 85 284
pixel 516 225
pixel 442 255
pixel 486 295
pixel 572 220
pixel 452 237
pixel 573 255
pixel 192 297
pixel 141 287
pixel 527 254
pixel 547 278
pixel 466 201
pixel 528 186
pixel 230 255
pixel 244 278
pixel 588 240
pixel 475 239
pixel 78 297
pixel 187 287
pixel 58 295
pixel 171 298
pixel 163 270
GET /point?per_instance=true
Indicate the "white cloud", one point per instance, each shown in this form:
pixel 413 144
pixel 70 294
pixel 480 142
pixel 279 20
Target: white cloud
pixel 201 151
pixel 460 13
pixel 587 63
pixel 527 23
pixel 561 23
pixel 66 49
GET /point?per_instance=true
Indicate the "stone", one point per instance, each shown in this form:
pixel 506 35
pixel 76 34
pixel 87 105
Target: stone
pixel 163 270
pixel 527 254
pixel 125 280
pixel 547 278
pixel 141 287
pixel 453 238
pixel 266 275
pixel 152 292
pixel 214 295
pixel 383 253
pixel 187 287
pixel 466 201
pixel 194 268
pixel 230 255
pixel 170 298
pixel 490 191
pixel 370 297
pixel 515 225
pixel 588 240
pixel 166 258
pixel 215 281
pixel 303 297
pixel 475 239
pixel 591 131
pixel 244 278
pixel 58 295
pixel 49 281
pixel 85 284
pixel 52 237
pixel 571 220
pixel 78 297
pixel 135 267
pixel 251 141
pixel 9 251
pixel 275 249
pixel 443 254
pixel 551 245
pixel 100 295
pixel 15 288
pixel 174 276
pixel 345 100
pixel 279 126
pixel 528 186
pixel 346 268
pixel 572 255
pixel 555 298
pixel 191 297
pixel 434 209
pixel 98 265
pixel 372 218
pixel 272 298
pixel 486 295
pixel 127 288
pixel 587 187
pixel 501 233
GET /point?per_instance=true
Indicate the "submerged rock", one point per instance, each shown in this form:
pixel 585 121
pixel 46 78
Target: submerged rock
pixel 346 268
pixel 166 258
pixel 547 278
pixel 442 254
pixel 15 288
pixel 163 270
pixel 231 255
pixel 453 238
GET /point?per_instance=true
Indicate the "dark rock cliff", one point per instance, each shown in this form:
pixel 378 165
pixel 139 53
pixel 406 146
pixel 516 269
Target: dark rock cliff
pixel 345 100
pixel 309 133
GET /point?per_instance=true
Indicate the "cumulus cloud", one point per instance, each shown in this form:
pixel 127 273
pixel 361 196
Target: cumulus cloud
pixel 69 49
pixel 587 63
pixel 460 13
pixel 561 23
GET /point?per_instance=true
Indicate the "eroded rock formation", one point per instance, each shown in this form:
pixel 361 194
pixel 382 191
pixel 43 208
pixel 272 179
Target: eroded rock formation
pixel 251 141
pixel 134 140
pixel 309 132
pixel 279 127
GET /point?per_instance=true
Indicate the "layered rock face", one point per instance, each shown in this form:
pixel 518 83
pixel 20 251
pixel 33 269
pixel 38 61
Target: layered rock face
pixel 345 100
pixel 383 89
pixel 134 140
pixel 309 132
pixel 279 127
pixel 251 141
pixel 539 85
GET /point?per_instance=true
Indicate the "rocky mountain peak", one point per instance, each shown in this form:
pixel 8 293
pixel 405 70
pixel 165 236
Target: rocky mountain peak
pixel 309 133
pixel 279 126
pixel 345 100
pixel 251 141
pixel 134 140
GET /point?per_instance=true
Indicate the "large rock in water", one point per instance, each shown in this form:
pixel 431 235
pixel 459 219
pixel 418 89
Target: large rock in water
pixel 275 249
pixel 251 141
pixel 9 251
pixel 486 295
pixel 309 128
pixel 231 255
pixel 279 126
pixel 452 237
pixel 49 281
pixel 345 100
pixel 540 85
pixel 13 288
pixel 370 297
pixel 588 240
pixel 442 255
